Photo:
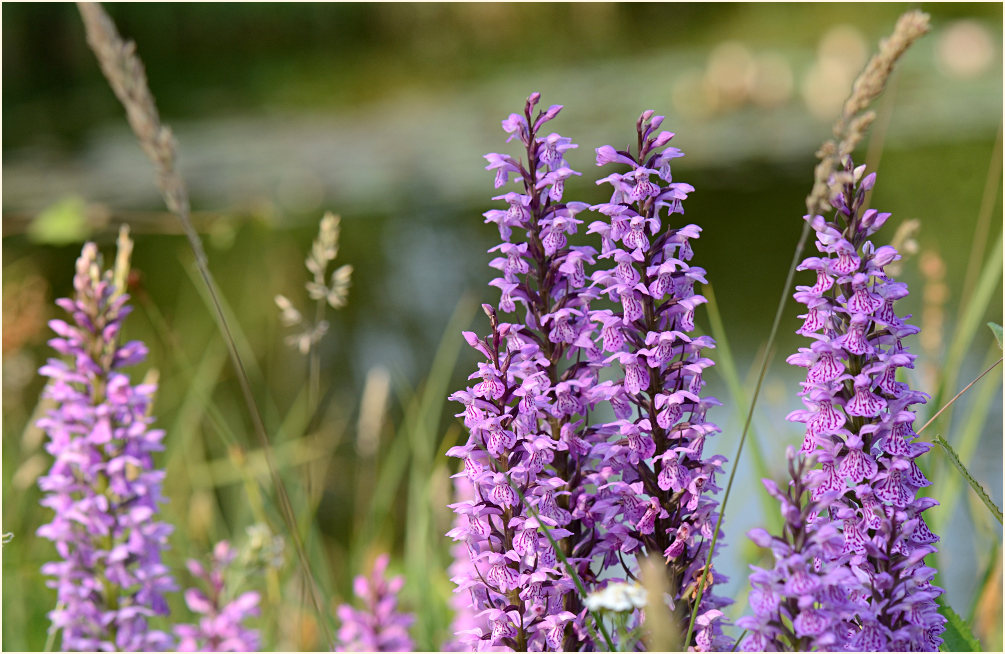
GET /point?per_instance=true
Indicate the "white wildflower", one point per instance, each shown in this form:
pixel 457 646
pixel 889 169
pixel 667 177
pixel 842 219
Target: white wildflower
pixel 618 596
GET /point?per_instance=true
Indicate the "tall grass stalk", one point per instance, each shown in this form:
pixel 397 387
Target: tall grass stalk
pixel 198 404
pixel 216 303
pixel 125 74
pixel 848 131
pixel 974 484
pixel 877 141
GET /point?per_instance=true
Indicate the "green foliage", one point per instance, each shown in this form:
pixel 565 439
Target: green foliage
pixel 958 637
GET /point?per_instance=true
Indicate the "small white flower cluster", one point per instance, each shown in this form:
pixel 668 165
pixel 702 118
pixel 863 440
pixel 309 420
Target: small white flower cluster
pixel 618 596
pixel 263 549
pixel 323 251
pixel 306 338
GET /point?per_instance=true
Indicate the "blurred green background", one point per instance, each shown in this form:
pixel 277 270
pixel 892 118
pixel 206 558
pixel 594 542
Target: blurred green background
pixel 381 112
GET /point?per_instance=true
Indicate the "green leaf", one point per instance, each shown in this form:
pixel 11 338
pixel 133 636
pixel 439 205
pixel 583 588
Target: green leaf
pixel 996 329
pixel 974 484
pixel 61 223
pixel 957 637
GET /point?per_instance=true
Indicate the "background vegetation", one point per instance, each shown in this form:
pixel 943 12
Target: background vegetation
pixel 381 113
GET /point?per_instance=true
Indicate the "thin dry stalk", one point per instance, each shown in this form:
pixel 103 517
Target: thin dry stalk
pixel 851 126
pixel 127 77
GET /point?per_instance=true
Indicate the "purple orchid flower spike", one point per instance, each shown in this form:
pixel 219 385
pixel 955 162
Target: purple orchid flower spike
pixel 222 625
pixel 103 486
pixel 664 501
pixel 526 415
pixel 803 603
pixel 378 626
pixel 469 622
pixel 858 420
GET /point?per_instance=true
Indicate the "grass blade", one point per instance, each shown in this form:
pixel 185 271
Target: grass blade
pixel 986 610
pixel 974 484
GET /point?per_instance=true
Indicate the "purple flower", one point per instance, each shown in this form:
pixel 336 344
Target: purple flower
pixel 526 412
pixel 662 499
pixel 859 425
pixel 468 625
pixel 810 599
pixel 221 629
pixel 378 626
pixel 103 486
